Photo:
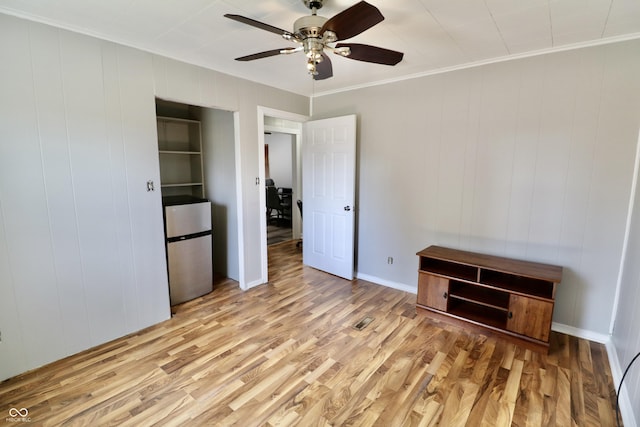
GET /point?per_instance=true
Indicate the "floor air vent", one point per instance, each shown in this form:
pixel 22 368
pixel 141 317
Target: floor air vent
pixel 363 323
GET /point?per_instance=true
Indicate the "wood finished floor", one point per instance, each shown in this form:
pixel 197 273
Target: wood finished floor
pixel 278 233
pixel 286 354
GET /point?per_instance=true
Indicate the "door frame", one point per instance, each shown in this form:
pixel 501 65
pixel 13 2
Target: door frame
pixel 239 205
pixel 296 185
pixel 278 114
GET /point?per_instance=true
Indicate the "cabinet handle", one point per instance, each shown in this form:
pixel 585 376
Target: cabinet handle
pixel 445 295
pixel 510 315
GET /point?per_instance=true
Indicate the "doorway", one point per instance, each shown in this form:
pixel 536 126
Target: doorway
pixel 331 152
pixel 287 125
pixel 212 168
pixel 280 164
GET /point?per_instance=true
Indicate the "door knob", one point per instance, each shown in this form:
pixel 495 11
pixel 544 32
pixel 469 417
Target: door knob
pixel 347 208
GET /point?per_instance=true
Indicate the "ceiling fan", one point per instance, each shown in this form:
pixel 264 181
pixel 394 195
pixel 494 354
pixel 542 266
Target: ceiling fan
pixel 315 34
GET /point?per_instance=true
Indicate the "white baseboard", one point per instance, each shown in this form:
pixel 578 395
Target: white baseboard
pixel 626 410
pixel 253 284
pixel 387 283
pixel 580 333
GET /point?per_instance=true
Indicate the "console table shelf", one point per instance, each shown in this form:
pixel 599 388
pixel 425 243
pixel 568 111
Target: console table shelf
pixel 512 297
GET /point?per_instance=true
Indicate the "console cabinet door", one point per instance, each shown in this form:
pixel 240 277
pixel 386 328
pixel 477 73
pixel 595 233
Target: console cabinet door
pixel 433 291
pixel 530 317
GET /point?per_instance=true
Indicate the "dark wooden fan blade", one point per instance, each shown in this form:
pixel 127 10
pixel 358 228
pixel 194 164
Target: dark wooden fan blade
pixel 366 53
pixel 258 24
pixel 324 68
pixel 265 54
pixel 354 20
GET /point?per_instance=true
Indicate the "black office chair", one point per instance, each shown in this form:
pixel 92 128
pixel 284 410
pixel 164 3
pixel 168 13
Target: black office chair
pixel 283 210
pixel 268 182
pixel 299 203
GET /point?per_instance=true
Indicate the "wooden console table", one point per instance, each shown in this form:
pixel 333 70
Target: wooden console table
pixel 511 297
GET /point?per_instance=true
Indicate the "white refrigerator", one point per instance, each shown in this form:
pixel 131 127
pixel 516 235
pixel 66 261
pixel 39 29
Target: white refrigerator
pixel 189 248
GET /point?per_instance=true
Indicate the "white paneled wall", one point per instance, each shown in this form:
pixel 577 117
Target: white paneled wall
pixel 82 257
pixel 220 182
pixel 281 158
pixel 530 159
pixel 626 333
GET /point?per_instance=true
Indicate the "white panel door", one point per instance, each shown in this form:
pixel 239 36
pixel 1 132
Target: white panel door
pixel 329 153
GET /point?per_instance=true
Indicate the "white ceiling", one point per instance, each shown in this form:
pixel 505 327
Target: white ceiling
pixel 434 34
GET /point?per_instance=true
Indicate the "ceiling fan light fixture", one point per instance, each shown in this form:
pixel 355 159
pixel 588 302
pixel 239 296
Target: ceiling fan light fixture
pixel 311 67
pixel 312 48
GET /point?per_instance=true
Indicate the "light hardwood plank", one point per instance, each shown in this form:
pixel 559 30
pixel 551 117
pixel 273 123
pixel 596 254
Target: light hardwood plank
pixel 286 353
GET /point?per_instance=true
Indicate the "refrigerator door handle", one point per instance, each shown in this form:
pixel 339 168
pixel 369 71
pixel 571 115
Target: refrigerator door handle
pixel 188 236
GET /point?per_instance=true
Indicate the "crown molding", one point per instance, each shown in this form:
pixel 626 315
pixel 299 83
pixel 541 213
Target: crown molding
pixel 474 64
pixel 464 66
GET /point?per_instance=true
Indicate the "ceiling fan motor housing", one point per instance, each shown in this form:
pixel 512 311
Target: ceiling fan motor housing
pixel 309 26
